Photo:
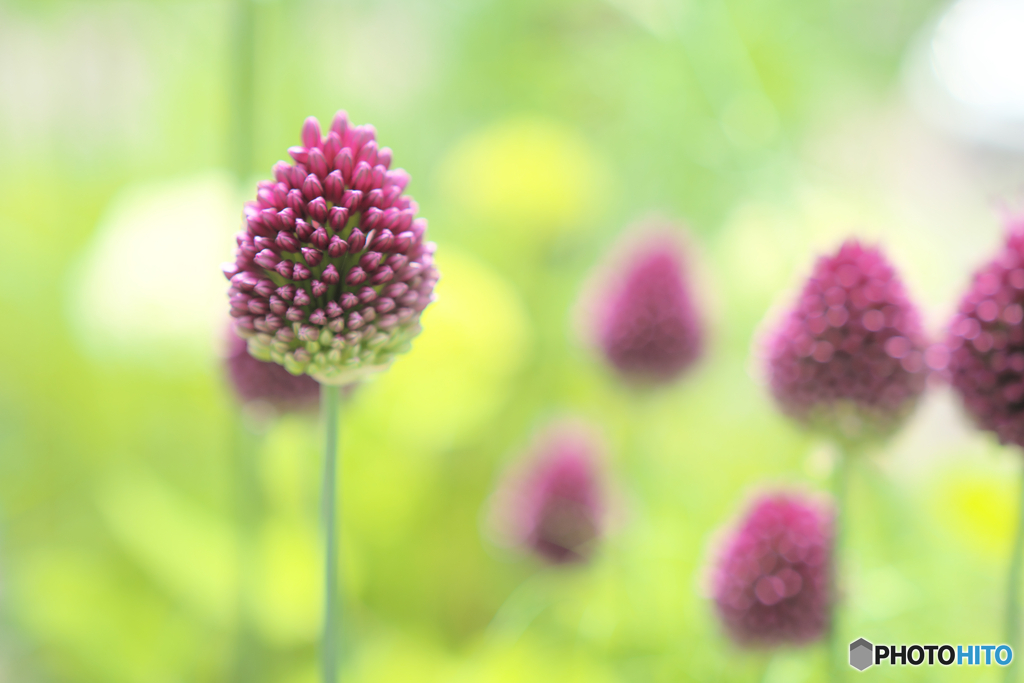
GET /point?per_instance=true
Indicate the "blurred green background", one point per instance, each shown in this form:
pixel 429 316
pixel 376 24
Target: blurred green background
pixel 151 530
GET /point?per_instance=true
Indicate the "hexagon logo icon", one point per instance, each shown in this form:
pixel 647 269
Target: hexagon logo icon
pixel 861 654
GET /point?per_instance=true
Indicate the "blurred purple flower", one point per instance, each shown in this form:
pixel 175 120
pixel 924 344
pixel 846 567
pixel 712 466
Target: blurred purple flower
pixel 850 356
pixel 986 343
pixel 331 272
pixel 554 504
pixel 256 380
pixel 773 582
pixel 647 324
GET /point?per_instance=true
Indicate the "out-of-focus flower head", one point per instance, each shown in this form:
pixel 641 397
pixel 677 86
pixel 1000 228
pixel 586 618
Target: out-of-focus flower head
pixel 331 272
pixel 986 343
pixel 553 503
pixel 645 320
pixel 256 380
pixel 772 584
pixel 850 356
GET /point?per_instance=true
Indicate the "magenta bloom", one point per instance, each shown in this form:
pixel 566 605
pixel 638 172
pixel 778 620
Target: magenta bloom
pixel 773 582
pixel 256 380
pixel 849 357
pixel 331 272
pixel 986 343
pixel 554 506
pixel 647 324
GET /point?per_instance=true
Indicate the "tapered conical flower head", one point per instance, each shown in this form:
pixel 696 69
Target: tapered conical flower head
pixel 553 504
pixel 256 380
pixel 647 324
pixel 986 343
pixel 849 356
pixel 332 271
pixel 773 581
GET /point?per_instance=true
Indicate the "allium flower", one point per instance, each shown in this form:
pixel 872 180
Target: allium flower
pixel 849 356
pixel 773 581
pixel 986 343
pixel 331 272
pixel 554 506
pixel 256 380
pixel 647 324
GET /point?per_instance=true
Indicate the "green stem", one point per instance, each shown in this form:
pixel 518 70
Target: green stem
pixel 1013 591
pixel 836 647
pixel 247 658
pixel 520 609
pixel 329 403
pixel 247 663
pixel 766 672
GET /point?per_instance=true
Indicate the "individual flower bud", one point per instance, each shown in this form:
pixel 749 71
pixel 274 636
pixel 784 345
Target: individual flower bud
pixel 281 171
pixel 645 320
pixel 317 163
pixel 311 187
pixel 356 241
pixel 367 294
pixel 344 162
pixel 772 583
pixel 338 217
pixel 296 202
pixel 256 380
pixel 356 276
pixel 311 132
pixel 334 187
pixel 351 199
pixel 319 238
pixel 312 256
pixel 375 198
pixel 332 146
pixel 553 503
pixel 303 230
pixel 371 219
pixel 318 209
pixel 849 356
pixel 285 269
pixel 337 247
pixel 985 343
pixel 287 241
pixel 361 176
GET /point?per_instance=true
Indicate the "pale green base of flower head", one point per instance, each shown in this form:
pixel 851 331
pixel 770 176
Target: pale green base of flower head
pixel 333 358
pixel 856 424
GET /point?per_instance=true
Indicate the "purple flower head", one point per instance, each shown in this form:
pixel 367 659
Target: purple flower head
pixel 849 357
pixel 332 272
pixel 256 380
pixel 986 343
pixel 555 505
pixel 773 581
pixel 647 325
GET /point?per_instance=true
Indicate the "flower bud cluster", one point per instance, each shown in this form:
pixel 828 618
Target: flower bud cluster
pixel 332 271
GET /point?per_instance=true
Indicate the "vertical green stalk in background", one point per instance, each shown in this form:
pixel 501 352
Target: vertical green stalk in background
pixel 239 144
pixel 1013 592
pixel 329 401
pixel 836 646
pixel 248 661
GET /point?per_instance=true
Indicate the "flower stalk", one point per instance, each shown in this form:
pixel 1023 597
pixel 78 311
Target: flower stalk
pixel 329 648
pixel 840 486
pixel 1013 589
